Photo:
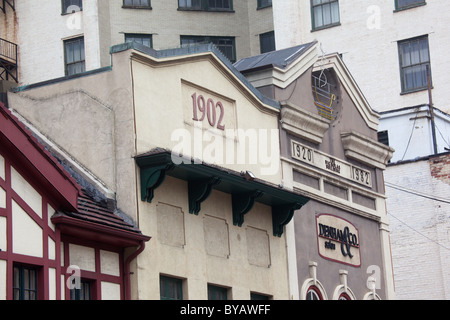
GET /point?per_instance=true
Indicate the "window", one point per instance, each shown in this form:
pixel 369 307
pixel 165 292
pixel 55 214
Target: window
pixel 313 293
pixel 414 59
pixel 136 3
pixel 217 293
pixel 264 3
pixel 383 137
pixel 83 293
pixel 325 13
pixel 170 288
pixel 25 280
pixel 190 4
pixel 344 296
pixel 144 39
pixel 406 4
pixel 225 44
pixel 74 55
pixel 206 5
pixel 257 296
pixel 267 42
pixel 71 6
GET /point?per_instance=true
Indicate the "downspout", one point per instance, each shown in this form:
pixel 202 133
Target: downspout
pixel 127 269
pixel 433 125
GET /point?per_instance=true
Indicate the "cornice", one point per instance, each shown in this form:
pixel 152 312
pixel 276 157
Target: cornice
pixel 366 150
pixel 302 123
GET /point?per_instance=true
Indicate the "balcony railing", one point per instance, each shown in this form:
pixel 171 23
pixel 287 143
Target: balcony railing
pixel 3 4
pixel 8 60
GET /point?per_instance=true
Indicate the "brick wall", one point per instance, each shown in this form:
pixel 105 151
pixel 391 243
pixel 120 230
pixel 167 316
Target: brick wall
pixel 440 168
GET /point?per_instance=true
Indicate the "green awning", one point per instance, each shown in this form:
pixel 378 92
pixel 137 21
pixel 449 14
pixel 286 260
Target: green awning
pixel 202 178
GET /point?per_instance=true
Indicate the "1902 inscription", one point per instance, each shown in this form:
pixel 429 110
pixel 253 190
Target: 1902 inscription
pixel 208 108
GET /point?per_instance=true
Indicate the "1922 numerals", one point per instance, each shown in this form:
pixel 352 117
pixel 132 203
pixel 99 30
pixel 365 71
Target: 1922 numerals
pixel 207 108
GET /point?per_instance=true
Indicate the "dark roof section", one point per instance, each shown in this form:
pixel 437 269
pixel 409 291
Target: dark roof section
pixel 83 207
pixel 96 212
pixel 280 58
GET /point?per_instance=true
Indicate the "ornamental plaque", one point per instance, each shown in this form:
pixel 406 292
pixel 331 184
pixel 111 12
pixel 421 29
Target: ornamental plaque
pixel 338 240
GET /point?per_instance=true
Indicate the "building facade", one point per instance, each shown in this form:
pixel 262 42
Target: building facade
pixel 76 35
pixel 190 151
pixel 394 49
pixel 386 44
pixel 59 240
pixel 340 245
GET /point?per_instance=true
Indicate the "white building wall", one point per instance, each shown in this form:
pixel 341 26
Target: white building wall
pixel 42 31
pixel 420 234
pixel 410 132
pixel 367 37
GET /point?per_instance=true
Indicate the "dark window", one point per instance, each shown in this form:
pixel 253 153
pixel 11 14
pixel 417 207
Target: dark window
pixel 74 56
pixel 267 42
pixel 206 5
pixel 144 39
pixel 313 293
pixel 170 288
pixel 406 4
pixel 414 59
pixel 325 13
pixel 25 280
pixel 83 293
pixel 190 4
pixel 71 6
pixel 257 296
pixel 383 137
pixel 344 296
pixel 217 293
pixel 225 44
pixel 264 3
pixel 136 3
pixel 220 4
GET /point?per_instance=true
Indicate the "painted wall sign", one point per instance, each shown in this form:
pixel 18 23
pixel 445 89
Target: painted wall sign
pixel 323 161
pixel 338 240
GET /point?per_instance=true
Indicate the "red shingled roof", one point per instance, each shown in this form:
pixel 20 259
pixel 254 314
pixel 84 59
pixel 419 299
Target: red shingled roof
pixel 80 215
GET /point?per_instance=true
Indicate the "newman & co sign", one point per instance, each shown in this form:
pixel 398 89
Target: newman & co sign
pixel 338 240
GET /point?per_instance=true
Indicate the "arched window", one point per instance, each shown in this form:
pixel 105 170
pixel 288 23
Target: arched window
pixel 344 296
pixel 313 293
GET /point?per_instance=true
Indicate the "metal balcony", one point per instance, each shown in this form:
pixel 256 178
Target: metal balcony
pixel 8 60
pixel 3 4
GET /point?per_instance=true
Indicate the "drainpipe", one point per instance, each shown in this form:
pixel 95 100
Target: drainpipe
pixel 127 269
pixel 433 128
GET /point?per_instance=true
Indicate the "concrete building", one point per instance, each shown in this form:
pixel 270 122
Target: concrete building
pixel 75 36
pixel 171 136
pixel 58 238
pixel 388 45
pixel 189 150
pixel 329 153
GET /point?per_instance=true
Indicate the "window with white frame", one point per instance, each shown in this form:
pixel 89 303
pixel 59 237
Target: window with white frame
pixel 74 56
pixel 71 6
pixel 325 13
pixel 414 58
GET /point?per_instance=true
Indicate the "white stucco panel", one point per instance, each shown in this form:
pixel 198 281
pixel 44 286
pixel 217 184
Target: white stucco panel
pixel 27 234
pixel 26 192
